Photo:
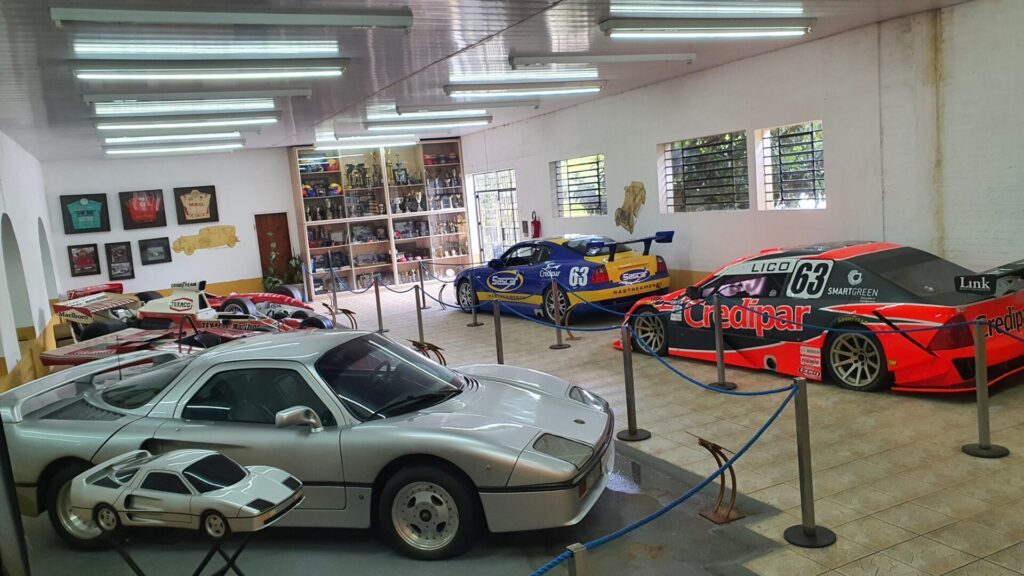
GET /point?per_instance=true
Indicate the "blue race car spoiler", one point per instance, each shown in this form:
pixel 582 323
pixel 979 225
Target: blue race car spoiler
pixel 663 237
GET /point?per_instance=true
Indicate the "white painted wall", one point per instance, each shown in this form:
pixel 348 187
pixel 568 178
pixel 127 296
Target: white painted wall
pixel 23 200
pixel 922 126
pixel 248 183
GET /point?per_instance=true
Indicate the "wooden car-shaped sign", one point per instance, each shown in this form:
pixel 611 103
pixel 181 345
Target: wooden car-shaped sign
pixel 209 237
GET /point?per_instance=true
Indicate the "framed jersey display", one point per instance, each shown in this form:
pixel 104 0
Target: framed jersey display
pixel 142 209
pixel 84 259
pixel 196 204
pixel 84 213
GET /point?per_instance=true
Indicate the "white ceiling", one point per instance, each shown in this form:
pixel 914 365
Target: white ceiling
pixel 42 106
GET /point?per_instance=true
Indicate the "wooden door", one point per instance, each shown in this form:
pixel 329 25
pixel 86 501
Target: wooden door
pixel 272 235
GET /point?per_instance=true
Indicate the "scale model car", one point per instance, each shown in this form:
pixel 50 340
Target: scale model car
pixel 818 311
pixel 190 489
pixel 595 268
pixel 377 433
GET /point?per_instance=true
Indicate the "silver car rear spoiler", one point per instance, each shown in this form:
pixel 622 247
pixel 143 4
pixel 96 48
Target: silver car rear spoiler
pixel 31 396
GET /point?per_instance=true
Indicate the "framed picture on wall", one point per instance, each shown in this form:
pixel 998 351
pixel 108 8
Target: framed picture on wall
pixel 119 261
pixel 84 213
pixel 155 251
pixel 84 259
pixel 196 204
pixel 142 209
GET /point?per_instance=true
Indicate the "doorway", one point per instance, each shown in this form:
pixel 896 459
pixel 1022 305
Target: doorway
pixel 274 243
pixel 497 212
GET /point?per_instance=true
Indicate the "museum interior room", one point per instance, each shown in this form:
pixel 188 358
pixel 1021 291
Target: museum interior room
pixel 512 287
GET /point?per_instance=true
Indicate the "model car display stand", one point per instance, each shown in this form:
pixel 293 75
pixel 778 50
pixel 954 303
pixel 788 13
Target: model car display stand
pixel 118 542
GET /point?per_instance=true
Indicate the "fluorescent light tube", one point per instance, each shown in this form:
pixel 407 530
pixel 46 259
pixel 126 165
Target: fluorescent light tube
pixel 702 28
pixel 379 19
pixel 406 110
pixel 156 107
pixel 200 74
pixel 522 89
pixel 529 61
pixel 525 75
pixel 178 124
pixel 176 149
pixel 204 95
pixel 171 138
pixel 178 50
pixel 443 124
pixel 426 114
pixel 340 146
pixel 707 9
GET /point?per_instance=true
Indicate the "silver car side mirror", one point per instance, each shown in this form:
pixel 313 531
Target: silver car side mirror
pixel 298 416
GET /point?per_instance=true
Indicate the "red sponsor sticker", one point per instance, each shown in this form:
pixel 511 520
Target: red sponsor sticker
pixel 812 373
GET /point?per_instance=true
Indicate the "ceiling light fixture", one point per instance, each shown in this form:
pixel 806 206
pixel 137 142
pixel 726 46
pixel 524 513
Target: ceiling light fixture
pixel 425 114
pixel 176 50
pixel 176 149
pixel 698 28
pixel 406 110
pixel 443 124
pixel 205 95
pixel 522 89
pixel 519 62
pixel 158 107
pixel 217 73
pixel 706 9
pixel 401 18
pixel 525 75
pixel 171 138
pixel 191 123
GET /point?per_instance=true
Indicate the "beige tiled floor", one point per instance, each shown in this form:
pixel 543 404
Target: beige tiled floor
pixel 890 478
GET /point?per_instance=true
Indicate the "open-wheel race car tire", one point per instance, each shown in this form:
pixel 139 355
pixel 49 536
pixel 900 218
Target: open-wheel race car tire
pixel 238 306
pixel 206 340
pixel 290 290
pixel 429 513
pixel 650 329
pixel 148 296
pixel 317 321
pixel 156 324
pixel 855 359
pixel 548 304
pixel 101 328
pixel 466 296
pixel 76 532
pixel 301 314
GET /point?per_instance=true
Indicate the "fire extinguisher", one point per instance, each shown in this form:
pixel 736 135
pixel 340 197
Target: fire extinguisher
pixel 535 225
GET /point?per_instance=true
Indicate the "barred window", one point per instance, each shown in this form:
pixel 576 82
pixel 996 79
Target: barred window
pixel 579 186
pixel 706 173
pixel 793 167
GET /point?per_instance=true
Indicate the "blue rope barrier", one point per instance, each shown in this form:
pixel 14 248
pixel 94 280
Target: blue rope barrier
pixel 612 310
pixel 691 380
pixel 423 269
pixel 598 542
pixel 549 325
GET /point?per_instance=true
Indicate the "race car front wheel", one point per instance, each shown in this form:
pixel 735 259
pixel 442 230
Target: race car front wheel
pixel 856 361
pixel 650 330
pixel 467 299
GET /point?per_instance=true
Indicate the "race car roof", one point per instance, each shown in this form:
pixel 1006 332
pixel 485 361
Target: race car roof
pixel 828 250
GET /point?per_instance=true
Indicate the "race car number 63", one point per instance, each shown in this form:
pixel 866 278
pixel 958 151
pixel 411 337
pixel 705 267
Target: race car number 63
pixel 578 276
pixel 809 279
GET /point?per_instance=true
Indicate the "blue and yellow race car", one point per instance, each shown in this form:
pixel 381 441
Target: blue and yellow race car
pixel 589 269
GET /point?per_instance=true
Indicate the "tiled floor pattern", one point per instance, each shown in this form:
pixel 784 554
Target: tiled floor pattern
pixel 890 478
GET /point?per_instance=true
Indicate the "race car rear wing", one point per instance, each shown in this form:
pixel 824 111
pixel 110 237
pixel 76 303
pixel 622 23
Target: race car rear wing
pixel 663 237
pixel 82 310
pixel 998 281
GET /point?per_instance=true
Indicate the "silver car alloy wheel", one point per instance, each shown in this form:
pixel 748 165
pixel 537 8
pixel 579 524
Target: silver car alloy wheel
pixel 855 359
pixel 466 296
pixel 549 304
pixel 425 516
pixel 651 331
pixel 106 518
pixel 214 526
pixel 72 523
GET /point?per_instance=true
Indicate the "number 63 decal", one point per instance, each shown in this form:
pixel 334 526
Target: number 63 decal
pixel 578 276
pixel 809 279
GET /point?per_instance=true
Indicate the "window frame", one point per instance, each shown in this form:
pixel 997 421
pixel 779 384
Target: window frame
pixel 565 209
pixel 666 172
pixel 188 489
pixel 761 135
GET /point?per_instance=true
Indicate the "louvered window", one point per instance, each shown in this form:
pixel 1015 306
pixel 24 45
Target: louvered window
pixel 579 186
pixel 707 173
pixel 793 167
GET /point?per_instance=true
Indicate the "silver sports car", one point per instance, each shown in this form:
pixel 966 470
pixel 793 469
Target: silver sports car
pixel 378 434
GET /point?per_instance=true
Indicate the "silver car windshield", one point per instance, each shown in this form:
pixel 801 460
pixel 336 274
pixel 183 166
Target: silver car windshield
pixel 139 389
pixel 214 472
pixel 374 376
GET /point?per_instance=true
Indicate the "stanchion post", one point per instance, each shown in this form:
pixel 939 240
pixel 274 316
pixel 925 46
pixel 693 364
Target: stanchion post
pixel 632 433
pixel 578 564
pixel 807 534
pixel 425 305
pixel 984 448
pixel 474 301
pixel 419 311
pixel 380 313
pixel 557 313
pixel 720 347
pixel 496 307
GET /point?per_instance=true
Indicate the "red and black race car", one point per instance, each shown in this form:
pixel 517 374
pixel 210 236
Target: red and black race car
pixel 831 309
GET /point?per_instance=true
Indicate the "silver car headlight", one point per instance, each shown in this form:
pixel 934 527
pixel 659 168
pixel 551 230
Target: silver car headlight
pixel 571 451
pixel 589 398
